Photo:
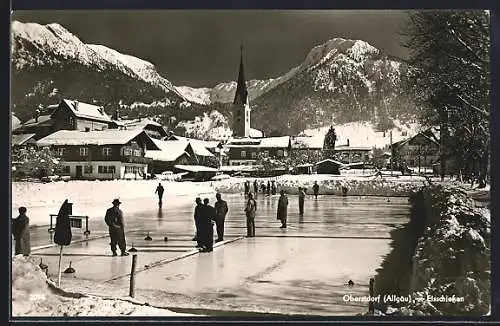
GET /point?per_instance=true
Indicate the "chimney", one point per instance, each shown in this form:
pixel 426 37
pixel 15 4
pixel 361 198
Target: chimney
pixel 37 114
pixel 101 109
pixel 347 141
pixel 116 115
pixel 75 104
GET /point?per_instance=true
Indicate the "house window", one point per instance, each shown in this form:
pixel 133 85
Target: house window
pixel 127 152
pixel 71 121
pixel 60 151
pixel 106 151
pixel 66 169
pixel 84 151
pixel 137 152
pixel 254 154
pixel 106 169
pixel 243 154
pixel 88 169
pixel 280 153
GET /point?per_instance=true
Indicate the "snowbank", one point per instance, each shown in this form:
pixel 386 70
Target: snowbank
pixel 452 257
pixel 357 185
pixel 33 296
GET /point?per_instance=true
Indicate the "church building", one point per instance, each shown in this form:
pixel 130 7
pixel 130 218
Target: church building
pixel 241 107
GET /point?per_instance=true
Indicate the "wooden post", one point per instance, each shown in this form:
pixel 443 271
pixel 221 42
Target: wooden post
pixel 132 276
pixel 371 308
pixel 59 271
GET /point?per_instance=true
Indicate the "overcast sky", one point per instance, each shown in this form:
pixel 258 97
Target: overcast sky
pixel 201 48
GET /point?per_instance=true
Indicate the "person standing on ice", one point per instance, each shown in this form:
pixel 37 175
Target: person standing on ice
pixel 282 208
pixel 220 215
pixel 159 190
pixel 302 196
pixel 246 186
pixel 21 233
pixel 268 189
pixel 250 210
pixel 273 187
pixel 114 220
pixel 255 187
pixel 197 218
pixel 207 226
pixel 316 189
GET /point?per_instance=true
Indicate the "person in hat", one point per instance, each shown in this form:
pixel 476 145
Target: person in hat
pixel 114 220
pixel 250 210
pixel 207 226
pixel 21 233
pixel 316 189
pixel 159 190
pixel 282 208
pixel 302 196
pixel 197 218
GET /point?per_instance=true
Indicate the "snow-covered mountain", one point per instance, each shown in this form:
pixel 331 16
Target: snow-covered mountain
pixel 46 57
pixel 340 81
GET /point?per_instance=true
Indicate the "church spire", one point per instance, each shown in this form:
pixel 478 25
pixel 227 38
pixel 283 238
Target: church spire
pixel 241 90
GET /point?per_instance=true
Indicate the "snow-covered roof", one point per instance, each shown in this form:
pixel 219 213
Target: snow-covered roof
pixel 269 142
pixel 195 168
pixel 85 110
pixel 42 120
pixel 255 133
pixel 204 143
pixel 280 142
pixel 169 150
pixel 352 148
pixel 307 142
pixel 95 137
pixel 18 140
pixel 137 123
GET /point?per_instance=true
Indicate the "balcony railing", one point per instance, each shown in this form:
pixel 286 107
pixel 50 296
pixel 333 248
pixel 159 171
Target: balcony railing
pixel 136 159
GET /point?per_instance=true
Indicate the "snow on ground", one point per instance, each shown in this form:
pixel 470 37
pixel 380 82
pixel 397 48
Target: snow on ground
pixel 365 134
pixel 196 95
pixel 34 195
pixel 32 296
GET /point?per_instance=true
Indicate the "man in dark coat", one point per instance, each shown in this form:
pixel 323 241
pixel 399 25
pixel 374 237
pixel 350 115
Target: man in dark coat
pixel 282 209
pixel 207 226
pixel 197 218
pixel 250 210
pixel 268 188
pixel 159 190
pixel 263 187
pixel 302 197
pixel 273 187
pixel 255 187
pixel 114 220
pixel 316 189
pixel 220 216
pixel 247 187
pixel 21 232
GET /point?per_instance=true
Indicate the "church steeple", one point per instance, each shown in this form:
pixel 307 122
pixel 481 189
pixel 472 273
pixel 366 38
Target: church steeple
pixel 241 107
pixel 241 90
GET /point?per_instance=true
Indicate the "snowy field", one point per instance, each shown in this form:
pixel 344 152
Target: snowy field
pixel 46 198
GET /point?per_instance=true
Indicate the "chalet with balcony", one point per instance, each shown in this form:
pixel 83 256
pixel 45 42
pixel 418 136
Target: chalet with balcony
pixel 106 154
pixel 67 115
pixel 246 151
pixel 420 151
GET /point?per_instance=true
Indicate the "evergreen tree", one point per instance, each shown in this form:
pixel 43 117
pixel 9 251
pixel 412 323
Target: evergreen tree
pixel 449 52
pixel 330 139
